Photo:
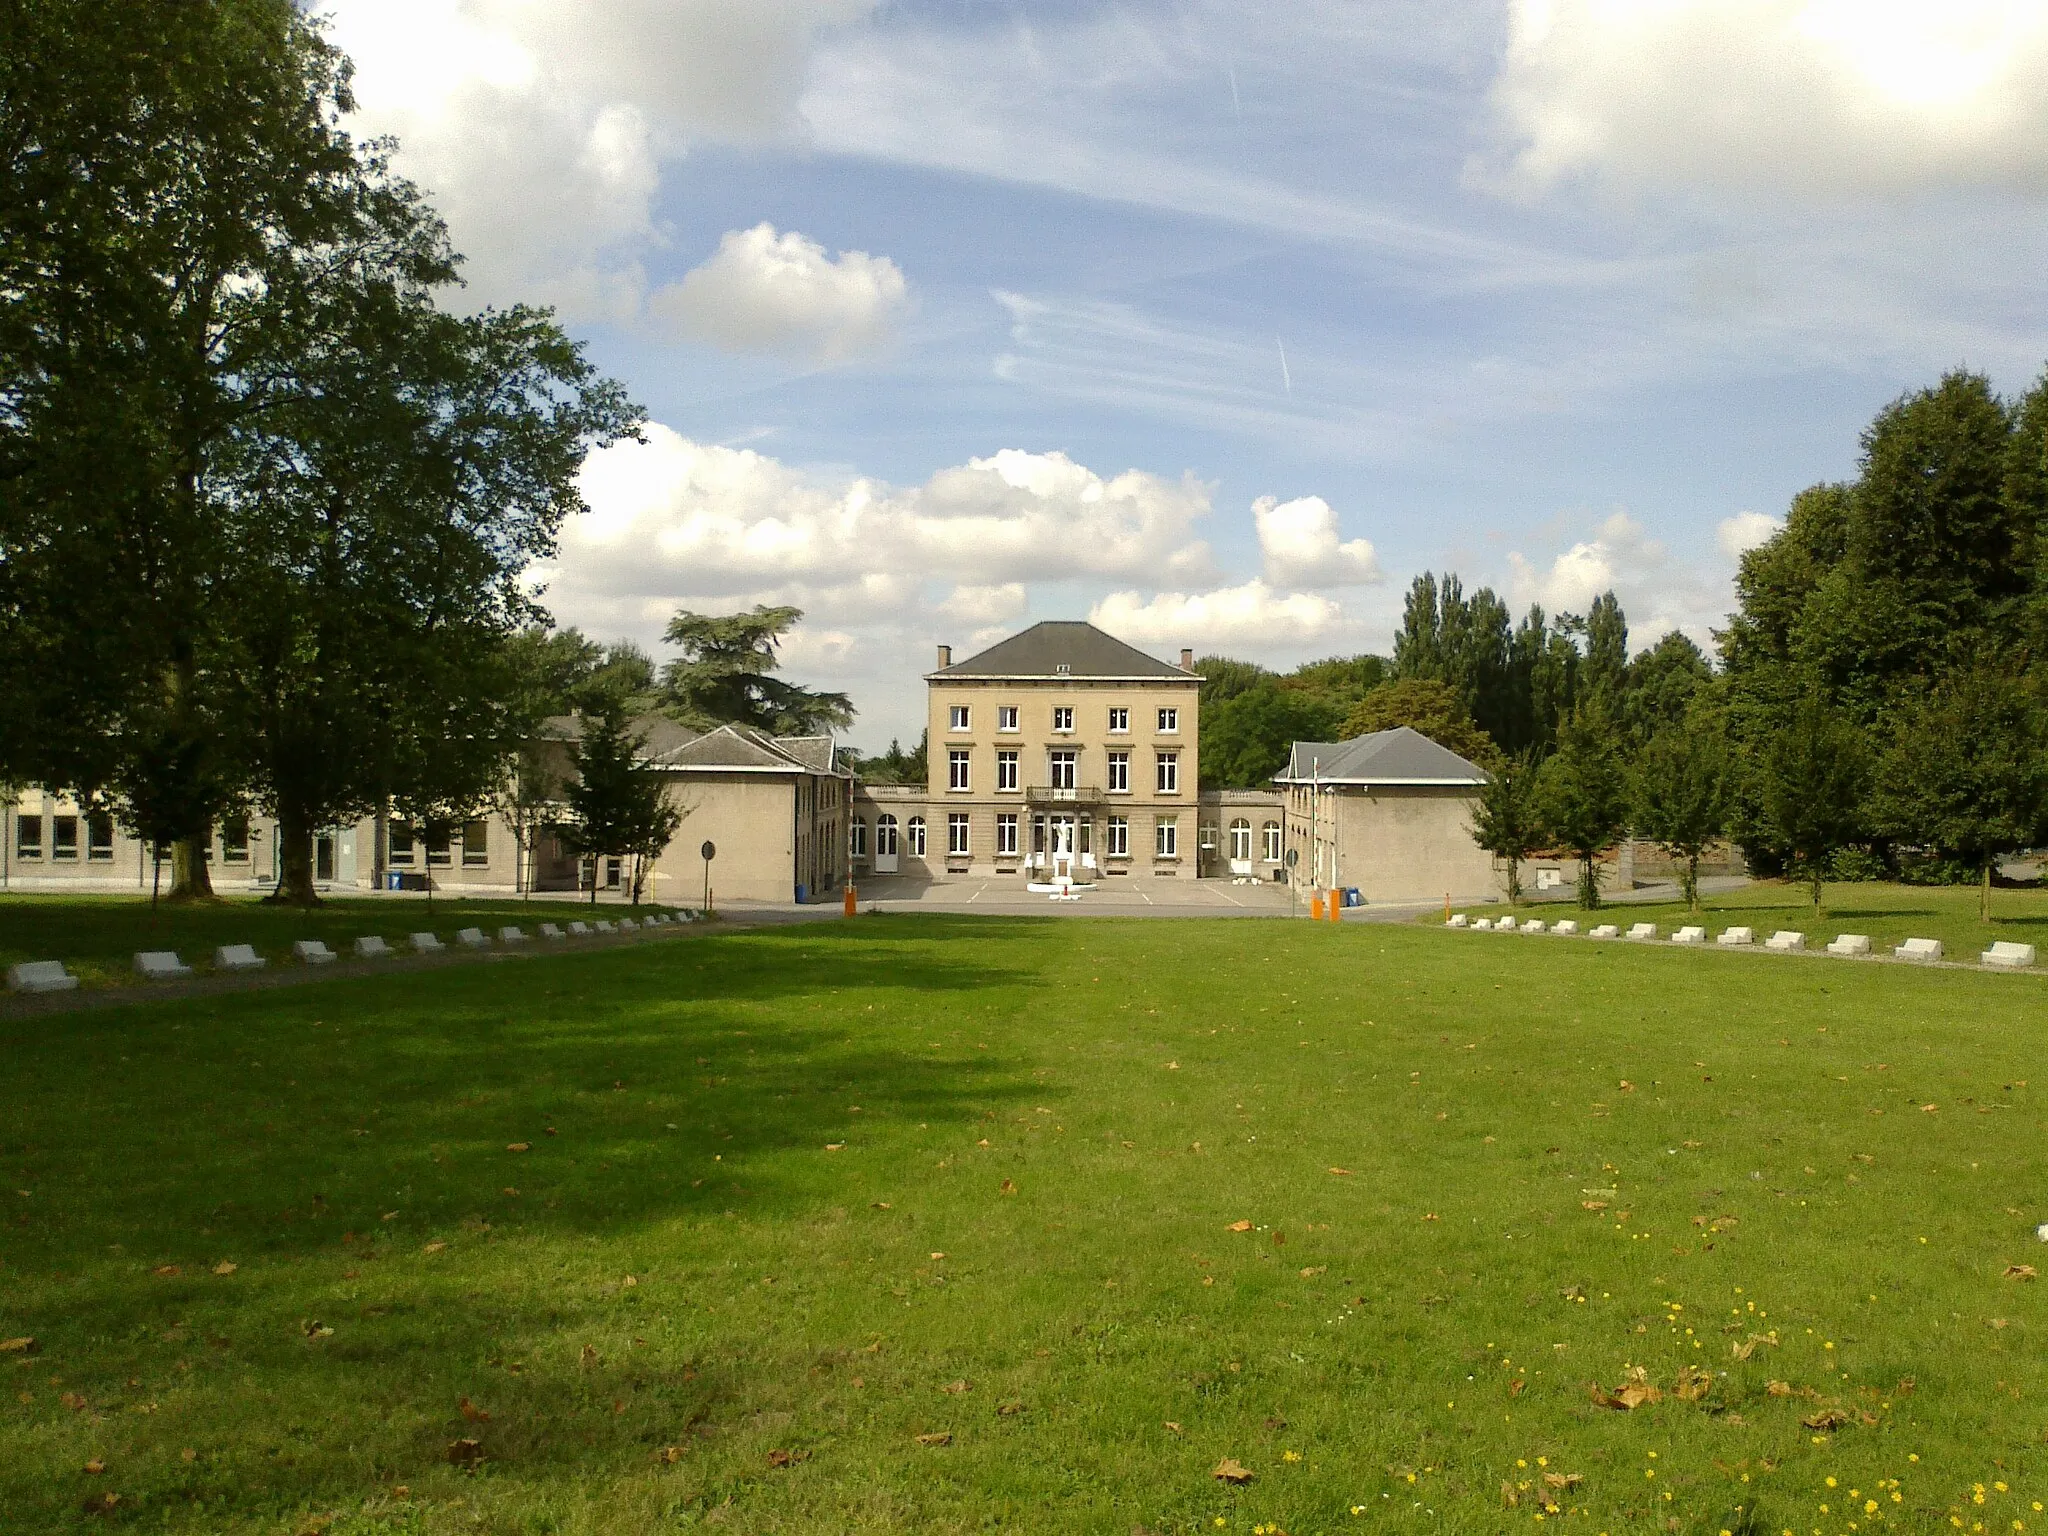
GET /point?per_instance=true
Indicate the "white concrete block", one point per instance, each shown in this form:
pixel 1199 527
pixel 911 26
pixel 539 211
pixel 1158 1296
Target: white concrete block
pixel 604 925
pixel 427 944
pixel 1643 931
pixel 1533 925
pixel 579 930
pixel 511 934
pixel 1737 936
pixel 1482 925
pixel 1690 935
pixel 1564 926
pixel 312 952
pixel 474 938
pixel 627 925
pixel 160 965
pixel 1850 944
pixel 238 957
pixel 1918 949
pixel 1785 939
pixel 2014 956
pixel 1605 931
pixel 371 946
pixel 1456 920
pixel 41 976
pixel 551 930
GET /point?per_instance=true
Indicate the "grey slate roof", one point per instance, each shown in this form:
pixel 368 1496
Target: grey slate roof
pixel 1399 756
pixel 668 743
pixel 1079 648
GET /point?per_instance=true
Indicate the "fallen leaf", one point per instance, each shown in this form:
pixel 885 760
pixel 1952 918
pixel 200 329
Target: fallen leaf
pixel 225 1268
pixel 957 1387
pixel 1515 1387
pixel 433 1247
pixel 313 1328
pixel 589 1355
pixel 1564 1479
pixel 1342 1173
pixel 835 1146
pixel 465 1452
pixel 75 1401
pixel 1509 1498
pixel 2020 1272
pixel 1634 1392
pixel 167 1271
pixel 1173 1066
pixel 474 1414
pixel 520 1146
pixel 1693 1383
pixel 940 1437
pixel 1310 1274
pixel 1174 1427
pixel 95 1467
pixel 880 1205
pixel 669 1455
pixel 937 1256
pixel 1008 1187
pixel 1828 1420
pixel 1239 1226
pixel 1275 1423
pixel 1009 1410
pixel 1229 1471
pixel 1996 1322
pixel 1779 1388
pixel 1601 1205
pixel 100 1503
pixel 188 1454
pixel 1928 1109
pixel 21 1346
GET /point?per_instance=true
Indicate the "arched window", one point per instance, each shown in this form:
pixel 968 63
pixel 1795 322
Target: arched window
pixel 1272 833
pixel 859 831
pixel 1241 840
pixel 913 834
pixel 885 837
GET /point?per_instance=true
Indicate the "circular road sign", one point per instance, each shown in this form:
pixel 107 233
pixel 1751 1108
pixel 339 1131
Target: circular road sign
pixel 709 850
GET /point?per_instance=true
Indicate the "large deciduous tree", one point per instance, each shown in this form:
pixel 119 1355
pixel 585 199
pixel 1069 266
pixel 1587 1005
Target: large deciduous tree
pixel 1426 706
pixel 1245 739
pixel 1684 788
pixel 163 171
pixel 1810 787
pixel 1967 774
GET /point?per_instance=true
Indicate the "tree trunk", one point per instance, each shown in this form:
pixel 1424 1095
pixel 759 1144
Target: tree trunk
pixel 294 859
pixel 191 880
pixel 1816 879
pixel 1984 893
pixel 1692 882
pixel 1589 882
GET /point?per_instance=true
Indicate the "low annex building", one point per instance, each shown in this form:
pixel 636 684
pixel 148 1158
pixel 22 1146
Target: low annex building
pixel 1389 813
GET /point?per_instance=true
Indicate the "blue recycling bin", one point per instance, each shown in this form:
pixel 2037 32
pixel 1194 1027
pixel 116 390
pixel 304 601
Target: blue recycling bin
pixel 802 895
pixel 1352 897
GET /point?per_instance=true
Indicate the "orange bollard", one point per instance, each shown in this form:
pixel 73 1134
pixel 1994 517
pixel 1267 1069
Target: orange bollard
pixel 1315 906
pixel 1336 906
pixel 852 898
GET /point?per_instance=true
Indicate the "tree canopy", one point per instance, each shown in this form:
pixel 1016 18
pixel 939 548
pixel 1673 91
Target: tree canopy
pixel 725 674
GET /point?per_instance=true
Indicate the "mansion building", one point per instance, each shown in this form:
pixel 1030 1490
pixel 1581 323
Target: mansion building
pixel 1060 754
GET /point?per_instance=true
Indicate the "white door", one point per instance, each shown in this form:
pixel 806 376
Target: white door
pixel 885 845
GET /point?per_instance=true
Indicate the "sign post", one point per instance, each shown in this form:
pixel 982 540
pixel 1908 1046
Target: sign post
pixel 710 852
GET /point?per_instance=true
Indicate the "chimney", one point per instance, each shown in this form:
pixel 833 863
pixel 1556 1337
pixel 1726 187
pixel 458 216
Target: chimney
pixel 945 657
pixel 1187 659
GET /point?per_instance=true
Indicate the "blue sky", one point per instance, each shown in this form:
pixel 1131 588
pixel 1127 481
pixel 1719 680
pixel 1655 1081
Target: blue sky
pixel 1219 321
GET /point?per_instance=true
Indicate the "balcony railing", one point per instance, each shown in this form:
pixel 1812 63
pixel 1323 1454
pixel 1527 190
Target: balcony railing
pixel 1048 794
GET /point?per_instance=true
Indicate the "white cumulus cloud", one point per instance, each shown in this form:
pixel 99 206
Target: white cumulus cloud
pixel 540 130
pixel 1301 545
pixel 673 520
pixel 1252 614
pixel 1803 94
pixel 1736 536
pixel 785 293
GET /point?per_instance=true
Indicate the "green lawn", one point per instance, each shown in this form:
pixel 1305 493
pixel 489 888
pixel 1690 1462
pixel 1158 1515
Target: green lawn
pixel 97 936
pixel 791 1199
pixel 1887 914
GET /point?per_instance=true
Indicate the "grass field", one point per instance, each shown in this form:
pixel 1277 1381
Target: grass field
pixel 1887 914
pixel 944 1224
pixel 97 936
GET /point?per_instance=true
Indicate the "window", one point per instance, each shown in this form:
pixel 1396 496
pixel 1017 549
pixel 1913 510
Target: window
pixel 1169 773
pixel 913 834
pixel 1063 717
pixel 1272 834
pixel 1063 769
pixel 401 836
pixel 476 844
pixel 28 837
pixel 956 832
pixel 234 840
pixel 1006 833
pixel 1169 721
pixel 956 770
pixel 1119 846
pixel 64 838
pixel 614 868
pixel 1166 838
pixel 437 846
pixel 1119 721
pixel 1006 717
pixel 1119 773
pixel 957 718
pixel 1006 771
pixel 885 836
pixel 99 837
pixel 1241 841
pixel 858 830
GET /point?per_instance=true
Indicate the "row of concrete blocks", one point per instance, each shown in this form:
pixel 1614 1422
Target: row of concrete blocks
pixel 2009 956
pixel 164 964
